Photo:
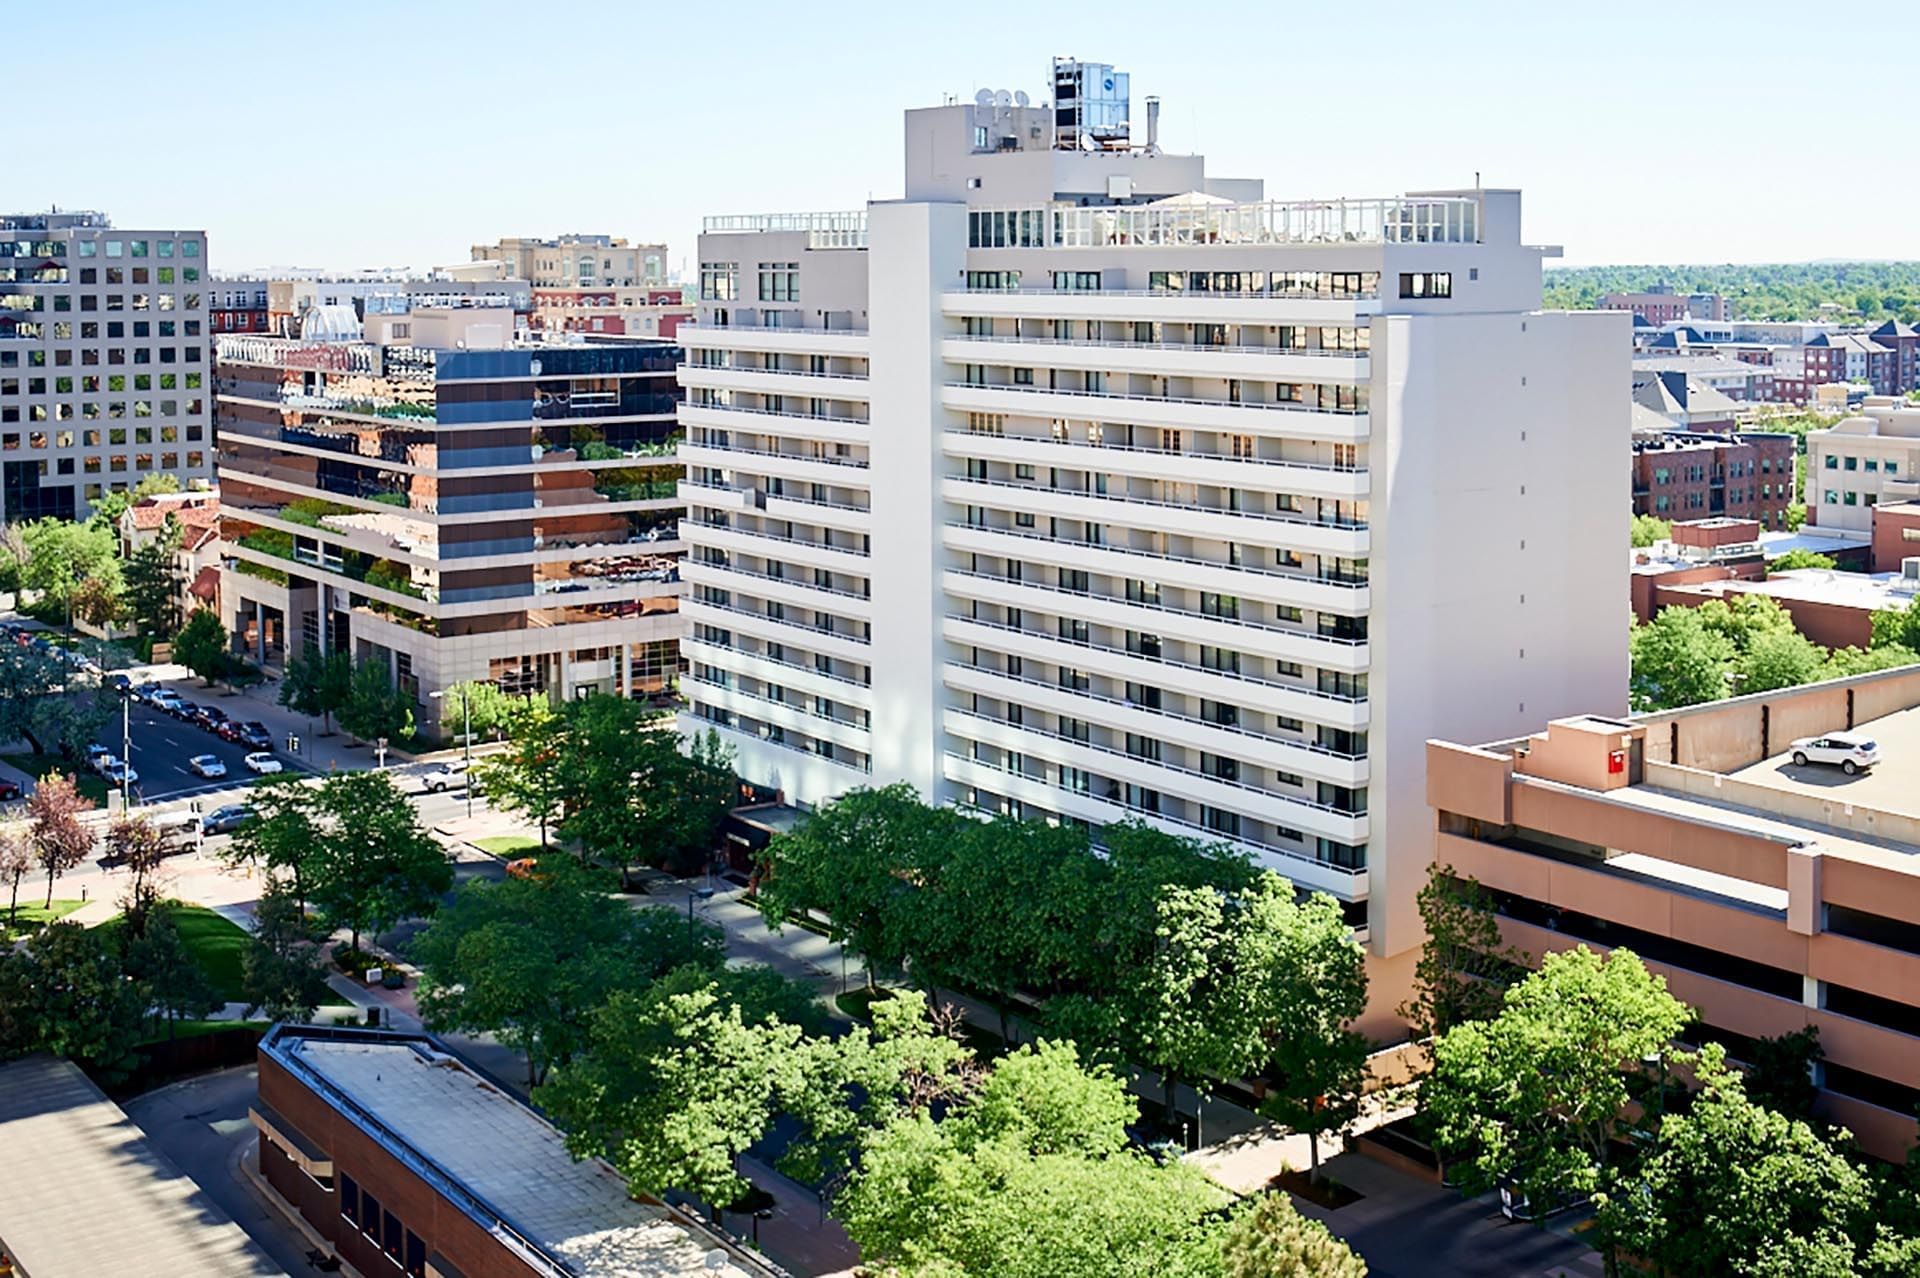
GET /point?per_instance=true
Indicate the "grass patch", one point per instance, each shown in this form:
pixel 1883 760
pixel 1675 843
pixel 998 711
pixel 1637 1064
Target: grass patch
pixel 37 765
pixel 32 917
pixel 217 944
pixel 508 846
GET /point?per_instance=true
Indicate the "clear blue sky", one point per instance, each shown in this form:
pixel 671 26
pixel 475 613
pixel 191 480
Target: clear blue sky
pixel 356 133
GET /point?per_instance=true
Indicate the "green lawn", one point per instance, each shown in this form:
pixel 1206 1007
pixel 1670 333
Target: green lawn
pixel 37 765
pixel 217 945
pixel 508 846
pixel 32 915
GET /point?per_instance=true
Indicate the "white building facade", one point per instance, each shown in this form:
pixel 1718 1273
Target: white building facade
pixel 104 361
pixel 1081 485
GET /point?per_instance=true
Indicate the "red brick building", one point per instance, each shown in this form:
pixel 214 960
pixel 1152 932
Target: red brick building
pixel 406 1162
pixel 1698 476
pixel 1896 535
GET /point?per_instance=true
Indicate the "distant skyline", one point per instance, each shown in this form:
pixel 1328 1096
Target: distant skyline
pixel 367 135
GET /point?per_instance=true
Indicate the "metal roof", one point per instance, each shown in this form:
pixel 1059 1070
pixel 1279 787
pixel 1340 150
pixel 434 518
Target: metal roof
pixel 83 1192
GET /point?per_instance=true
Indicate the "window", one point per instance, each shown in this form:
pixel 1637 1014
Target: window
pixel 719 281
pixel 1426 284
pixel 779 281
pixel 349 1198
pixel 1833 461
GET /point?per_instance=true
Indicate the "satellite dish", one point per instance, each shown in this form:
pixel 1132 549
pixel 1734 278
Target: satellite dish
pixel 1003 99
pixel 983 98
pixel 1086 142
pixel 1020 98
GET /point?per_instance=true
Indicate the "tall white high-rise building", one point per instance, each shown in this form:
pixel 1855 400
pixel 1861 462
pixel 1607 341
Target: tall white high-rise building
pixel 1081 484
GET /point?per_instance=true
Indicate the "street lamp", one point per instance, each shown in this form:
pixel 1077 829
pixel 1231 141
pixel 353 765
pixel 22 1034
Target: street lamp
pixel 126 746
pixel 466 737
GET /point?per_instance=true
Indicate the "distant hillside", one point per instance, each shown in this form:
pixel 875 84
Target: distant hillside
pixel 1872 291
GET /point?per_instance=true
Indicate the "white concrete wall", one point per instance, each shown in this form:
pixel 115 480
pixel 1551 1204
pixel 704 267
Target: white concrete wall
pixel 914 250
pixel 1499 508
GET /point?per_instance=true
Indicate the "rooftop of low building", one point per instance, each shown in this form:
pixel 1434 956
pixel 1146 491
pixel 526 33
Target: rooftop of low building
pixel 497 1160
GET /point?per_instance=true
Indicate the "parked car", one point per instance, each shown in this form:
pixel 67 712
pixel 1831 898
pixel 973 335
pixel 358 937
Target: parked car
pixel 9 790
pixel 255 734
pixel 120 683
pixel 210 717
pixel 1849 751
pixel 116 772
pixel 229 731
pixel 98 756
pixel 185 711
pixel 444 776
pixel 165 700
pixel 143 692
pixel 263 763
pixel 207 765
pixel 225 820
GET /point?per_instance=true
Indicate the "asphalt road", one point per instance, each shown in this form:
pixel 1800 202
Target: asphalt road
pixel 201 1124
pixel 162 745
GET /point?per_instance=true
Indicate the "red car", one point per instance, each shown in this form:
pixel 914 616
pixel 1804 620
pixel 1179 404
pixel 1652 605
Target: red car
pixel 9 791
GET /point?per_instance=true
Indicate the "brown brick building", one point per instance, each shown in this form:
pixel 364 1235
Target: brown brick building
pixel 1697 476
pixel 409 1163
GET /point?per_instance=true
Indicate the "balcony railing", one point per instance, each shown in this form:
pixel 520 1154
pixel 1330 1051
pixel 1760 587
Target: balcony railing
pixel 1320 521
pixel 846 229
pixel 1286 405
pixel 955 435
pixel 1157 556
pixel 1198 348
pixel 1404 220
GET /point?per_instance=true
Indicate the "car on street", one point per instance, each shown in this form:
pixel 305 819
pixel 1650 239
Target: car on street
pixel 255 735
pixel 209 717
pixel 98 756
pixel 1851 752
pixel 165 700
pixel 120 683
pixel 207 765
pixel 185 711
pixel 9 790
pixel 263 763
pixel 226 819
pixel 444 776
pixel 116 772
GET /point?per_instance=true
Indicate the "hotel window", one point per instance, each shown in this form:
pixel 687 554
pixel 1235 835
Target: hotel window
pixel 1426 284
pixel 719 281
pixel 779 281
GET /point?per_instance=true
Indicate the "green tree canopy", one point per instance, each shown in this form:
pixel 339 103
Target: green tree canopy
pixel 65 992
pixel 318 684
pixel 283 837
pixel 1272 1240
pixel 170 980
pixel 1646 530
pixel 1678 661
pixel 375 865
pixel 1465 966
pixel 281 974
pixel 60 554
pixel 1780 659
pixel 153 582
pixel 527 776
pixel 376 707
pixel 1801 559
pixel 201 646
pixel 1537 1094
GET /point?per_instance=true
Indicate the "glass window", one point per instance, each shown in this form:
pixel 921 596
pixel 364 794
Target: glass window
pixel 116 249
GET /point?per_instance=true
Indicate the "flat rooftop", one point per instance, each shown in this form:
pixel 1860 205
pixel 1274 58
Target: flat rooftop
pixel 428 1108
pixel 1825 585
pixel 83 1192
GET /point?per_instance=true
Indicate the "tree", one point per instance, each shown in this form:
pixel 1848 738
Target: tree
pixel 633 796
pixel 487 711
pixel 68 995
pixel 1844 662
pixel 1897 628
pixel 152 574
pixel 1781 659
pixel 375 865
pixel 1537 1095
pixel 526 777
pixel 201 646
pixel 16 862
pixel 283 836
pixel 113 504
pixel 1781 1077
pixel 46 704
pixel 1464 967
pixel 376 707
pixel 1731 1187
pixel 529 959
pixel 1802 558
pixel 139 845
pixel 1647 530
pixel 1031 1177
pixel 99 599
pixel 61 840
pixel 280 974
pixel 61 554
pixel 672 1087
pixel 1272 1240
pixel 1678 661
pixel 164 970
pixel 1317 989
pixel 318 683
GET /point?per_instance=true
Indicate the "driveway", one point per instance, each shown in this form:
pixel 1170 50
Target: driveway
pixel 201 1124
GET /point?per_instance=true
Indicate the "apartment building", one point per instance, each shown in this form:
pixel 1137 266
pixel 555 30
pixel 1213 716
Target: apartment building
pixel 1770 896
pixel 428 490
pixel 1861 461
pixel 291 296
pixel 407 1162
pixel 1661 305
pixel 589 283
pixel 103 361
pixel 1082 484
pixel 1688 475
pixel 237 304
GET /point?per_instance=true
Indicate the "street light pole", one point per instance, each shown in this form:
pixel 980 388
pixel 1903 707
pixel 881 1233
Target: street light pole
pixel 126 746
pixel 466 732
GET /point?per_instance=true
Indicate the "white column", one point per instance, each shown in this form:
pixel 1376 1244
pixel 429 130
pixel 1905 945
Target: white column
pixel 914 252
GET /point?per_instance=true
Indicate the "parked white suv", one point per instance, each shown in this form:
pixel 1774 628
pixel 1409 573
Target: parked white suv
pixel 1850 751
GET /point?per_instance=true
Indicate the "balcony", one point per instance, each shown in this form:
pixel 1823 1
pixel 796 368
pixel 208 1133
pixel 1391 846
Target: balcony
pixel 840 229
pixel 1168 223
pixel 1340 538
pixel 768 381
pixel 791 674
pixel 794 718
pixel 815 469
pixel 776 629
pixel 1310 479
pixel 771 545
pixel 1172 359
pixel 767 421
pixel 797 592
pixel 1281 420
pixel 1301 589
pixel 784 341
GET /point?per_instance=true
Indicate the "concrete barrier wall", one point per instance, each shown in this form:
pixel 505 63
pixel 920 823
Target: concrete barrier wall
pixel 1802 809
pixel 1725 735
